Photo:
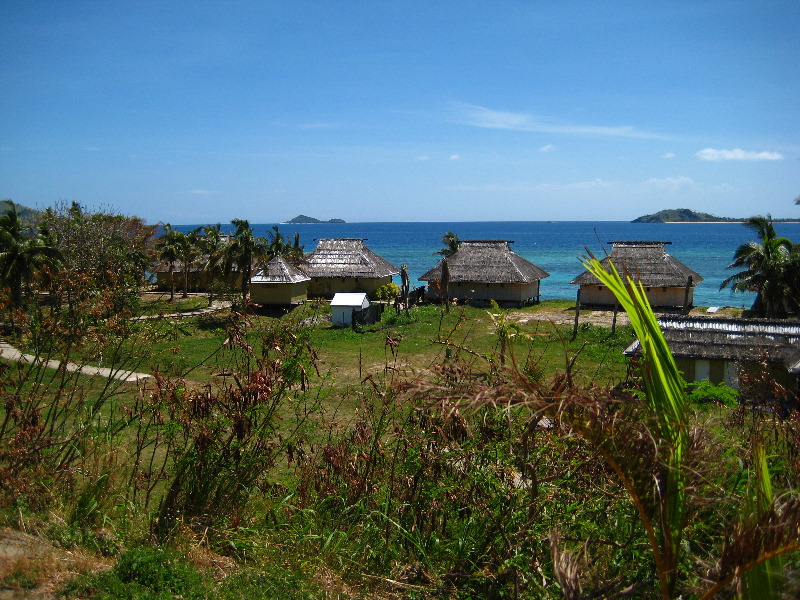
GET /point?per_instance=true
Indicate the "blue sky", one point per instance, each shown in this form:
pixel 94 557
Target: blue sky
pixel 195 112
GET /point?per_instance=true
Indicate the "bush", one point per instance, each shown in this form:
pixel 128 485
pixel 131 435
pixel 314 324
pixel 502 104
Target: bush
pixel 387 292
pixel 705 391
pixel 142 574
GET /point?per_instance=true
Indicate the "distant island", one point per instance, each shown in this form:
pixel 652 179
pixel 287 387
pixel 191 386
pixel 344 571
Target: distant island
pixel 685 215
pixel 311 220
pixel 26 214
pixel 682 215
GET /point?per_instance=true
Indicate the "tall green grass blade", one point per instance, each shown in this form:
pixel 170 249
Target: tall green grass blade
pixel 665 394
pixel 763 580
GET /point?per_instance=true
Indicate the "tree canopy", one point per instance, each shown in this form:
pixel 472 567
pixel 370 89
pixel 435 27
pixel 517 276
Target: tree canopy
pixel 770 267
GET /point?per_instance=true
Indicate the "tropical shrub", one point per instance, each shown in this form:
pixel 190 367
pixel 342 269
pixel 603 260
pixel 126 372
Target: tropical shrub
pixel 705 391
pixel 387 291
pixel 142 574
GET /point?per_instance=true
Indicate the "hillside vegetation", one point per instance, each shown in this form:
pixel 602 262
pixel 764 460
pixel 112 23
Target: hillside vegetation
pixel 685 215
pixel 682 215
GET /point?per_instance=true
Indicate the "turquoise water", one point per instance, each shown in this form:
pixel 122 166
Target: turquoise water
pixel 556 247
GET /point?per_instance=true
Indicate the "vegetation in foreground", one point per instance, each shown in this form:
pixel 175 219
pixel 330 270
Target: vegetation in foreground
pixel 469 478
pixel 459 454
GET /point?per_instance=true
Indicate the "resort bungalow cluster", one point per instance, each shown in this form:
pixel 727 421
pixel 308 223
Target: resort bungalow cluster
pixel 346 272
pixel 478 272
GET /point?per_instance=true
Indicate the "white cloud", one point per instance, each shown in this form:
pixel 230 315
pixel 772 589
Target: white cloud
pixel 713 154
pixel 547 148
pixel 455 157
pixel 422 157
pixel 487 118
pixel 668 155
pixel 203 192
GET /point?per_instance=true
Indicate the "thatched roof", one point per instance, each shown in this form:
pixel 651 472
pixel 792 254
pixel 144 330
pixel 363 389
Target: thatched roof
pixel 731 339
pixel 646 262
pixel 486 261
pixel 196 265
pixel 279 271
pixel 346 257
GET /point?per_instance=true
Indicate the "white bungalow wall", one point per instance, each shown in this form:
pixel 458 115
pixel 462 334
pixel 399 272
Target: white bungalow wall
pixel 278 293
pixel 657 296
pixel 327 287
pixel 502 293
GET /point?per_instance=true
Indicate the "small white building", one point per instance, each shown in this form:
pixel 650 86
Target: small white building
pixel 344 304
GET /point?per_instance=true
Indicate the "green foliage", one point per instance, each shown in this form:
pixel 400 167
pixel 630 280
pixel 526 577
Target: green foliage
pixel 664 520
pixel 451 243
pixel 387 291
pixel 275 581
pixel 705 391
pixel 428 471
pixel 103 252
pixel 142 574
pixel 769 267
pixel 22 254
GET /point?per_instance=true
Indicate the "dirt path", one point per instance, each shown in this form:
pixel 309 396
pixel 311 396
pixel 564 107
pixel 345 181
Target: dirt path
pixel 216 306
pixel 603 318
pixel 8 352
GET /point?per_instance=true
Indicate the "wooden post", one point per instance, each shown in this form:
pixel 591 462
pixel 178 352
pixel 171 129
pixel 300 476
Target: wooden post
pixel 686 294
pixel 446 284
pixel 577 314
pixel 614 318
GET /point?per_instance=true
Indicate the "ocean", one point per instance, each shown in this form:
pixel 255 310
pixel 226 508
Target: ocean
pixel 556 247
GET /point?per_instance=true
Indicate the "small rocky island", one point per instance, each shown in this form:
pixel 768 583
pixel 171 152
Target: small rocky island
pixel 683 215
pixel 305 219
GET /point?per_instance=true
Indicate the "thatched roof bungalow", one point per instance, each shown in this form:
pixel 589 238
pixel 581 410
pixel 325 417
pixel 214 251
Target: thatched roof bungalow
pixel 197 277
pixel 485 270
pixel 345 265
pixel 668 282
pixel 743 353
pixel 279 283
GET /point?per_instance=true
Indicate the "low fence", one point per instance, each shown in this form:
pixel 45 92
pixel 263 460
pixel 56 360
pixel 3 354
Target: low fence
pixel 368 316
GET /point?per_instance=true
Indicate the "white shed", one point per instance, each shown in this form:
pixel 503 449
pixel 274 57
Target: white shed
pixel 343 305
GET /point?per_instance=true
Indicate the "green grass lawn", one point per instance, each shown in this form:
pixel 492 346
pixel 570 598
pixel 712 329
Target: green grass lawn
pixel 160 304
pixel 195 348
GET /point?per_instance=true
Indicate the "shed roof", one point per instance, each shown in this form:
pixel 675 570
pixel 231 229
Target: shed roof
pixel 346 257
pixel 731 339
pixel 279 271
pixel 358 299
pixel 645 261
pixel 486 261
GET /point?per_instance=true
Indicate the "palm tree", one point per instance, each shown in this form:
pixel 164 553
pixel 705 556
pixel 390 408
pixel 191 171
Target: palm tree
pixel 189 248
pixel 279 246
pixel 770 268
pixel 506 330
pixel 243 249
pixel 451 244
pixel 169 248
pixel 21 254
pixel 213 246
